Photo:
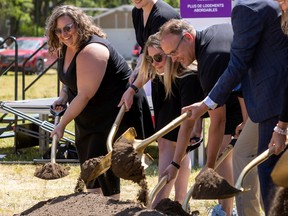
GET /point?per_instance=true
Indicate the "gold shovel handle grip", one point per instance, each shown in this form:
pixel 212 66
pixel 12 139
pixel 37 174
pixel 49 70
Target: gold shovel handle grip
pixel 54 148
pixel 114 128
pixel 255 162
pixel 163 181
pixel 166 129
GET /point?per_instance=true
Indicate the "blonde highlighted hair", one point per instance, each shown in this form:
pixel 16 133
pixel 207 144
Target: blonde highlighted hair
pixel 172 70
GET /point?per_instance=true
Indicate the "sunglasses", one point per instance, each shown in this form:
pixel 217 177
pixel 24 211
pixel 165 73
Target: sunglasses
pixel 157 58
pixel 65 29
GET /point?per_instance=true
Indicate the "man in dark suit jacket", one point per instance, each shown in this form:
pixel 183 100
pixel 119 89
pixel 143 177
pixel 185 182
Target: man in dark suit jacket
pixel 258 60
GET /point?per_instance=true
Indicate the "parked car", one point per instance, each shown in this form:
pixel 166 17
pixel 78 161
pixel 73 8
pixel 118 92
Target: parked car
pixel 135 54
pixel 26 47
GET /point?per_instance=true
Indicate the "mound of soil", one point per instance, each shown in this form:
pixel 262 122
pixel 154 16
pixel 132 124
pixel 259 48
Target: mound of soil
pixel 210 185
pixel 86 204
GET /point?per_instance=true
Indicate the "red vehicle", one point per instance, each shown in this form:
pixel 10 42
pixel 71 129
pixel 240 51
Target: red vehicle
pixel 135 54
pixel 26 47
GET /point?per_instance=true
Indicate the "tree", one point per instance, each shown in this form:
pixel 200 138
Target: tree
pixel 17 11
pixel 27 17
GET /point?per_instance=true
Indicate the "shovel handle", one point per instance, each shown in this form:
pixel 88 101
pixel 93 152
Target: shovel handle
pixel 54 148
pixel 114 128
pixel 166 129
pixel 163 181
pixel 255 162
pixel 54 141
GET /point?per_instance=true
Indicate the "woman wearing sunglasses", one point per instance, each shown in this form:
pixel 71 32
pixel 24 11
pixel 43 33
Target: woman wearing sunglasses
pixel 168 97
pixel 94 77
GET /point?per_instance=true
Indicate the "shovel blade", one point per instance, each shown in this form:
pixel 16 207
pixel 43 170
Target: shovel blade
pixel 280 172
pixel 95 167
pixel 210 185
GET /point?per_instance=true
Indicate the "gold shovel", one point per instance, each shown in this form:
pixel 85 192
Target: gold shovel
pixel 104 162
pixel 219 160
pixel 138 145
pixel 164 180
pixel 224 189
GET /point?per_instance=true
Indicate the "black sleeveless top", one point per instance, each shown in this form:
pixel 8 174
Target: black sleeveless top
pixel 101 111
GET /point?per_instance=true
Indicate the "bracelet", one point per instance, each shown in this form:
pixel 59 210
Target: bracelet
pixel 134 88
pixel 175 164
pixel 280 130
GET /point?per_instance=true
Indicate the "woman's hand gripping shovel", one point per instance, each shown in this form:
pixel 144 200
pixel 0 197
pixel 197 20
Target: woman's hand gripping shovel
pixel 95 167
pixel 218 188
pixel 52 170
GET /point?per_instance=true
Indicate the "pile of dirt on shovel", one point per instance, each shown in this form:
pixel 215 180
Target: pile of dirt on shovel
pixel 210 185
pixel 51 171
pixel 126 165
pixel 86 204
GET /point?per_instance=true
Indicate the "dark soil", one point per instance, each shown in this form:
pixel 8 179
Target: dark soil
pixel 125 163
pixel 92 166
pixel 170 207
pixel 88 204
pixel 210 185
pixel 50 171
pixel 279 206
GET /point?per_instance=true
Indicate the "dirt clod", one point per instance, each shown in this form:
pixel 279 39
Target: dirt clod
pixel 169 207
pixel 125 163
pixel 88 167
pixel 210 185
pixel 50 171
pixel 80 185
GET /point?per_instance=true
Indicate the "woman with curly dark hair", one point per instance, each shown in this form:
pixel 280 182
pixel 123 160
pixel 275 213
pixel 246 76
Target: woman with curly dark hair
pixel 94 77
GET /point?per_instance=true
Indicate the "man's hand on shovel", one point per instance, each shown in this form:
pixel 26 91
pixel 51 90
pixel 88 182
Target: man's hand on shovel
pixel 197 110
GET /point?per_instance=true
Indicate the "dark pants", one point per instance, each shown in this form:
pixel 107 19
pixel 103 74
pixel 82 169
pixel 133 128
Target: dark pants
pixel 264 169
